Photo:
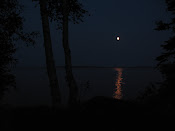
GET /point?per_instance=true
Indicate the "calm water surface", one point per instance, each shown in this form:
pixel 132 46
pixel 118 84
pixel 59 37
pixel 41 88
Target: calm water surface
pixel 119 83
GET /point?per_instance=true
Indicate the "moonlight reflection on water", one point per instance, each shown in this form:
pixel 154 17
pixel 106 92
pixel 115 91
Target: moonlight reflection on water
pixel 118 84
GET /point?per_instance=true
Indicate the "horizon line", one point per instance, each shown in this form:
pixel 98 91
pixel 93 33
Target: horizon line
pixel 95 66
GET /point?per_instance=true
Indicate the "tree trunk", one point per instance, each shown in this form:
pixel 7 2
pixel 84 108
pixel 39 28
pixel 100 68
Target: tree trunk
pixel 73 89
pixel 51 69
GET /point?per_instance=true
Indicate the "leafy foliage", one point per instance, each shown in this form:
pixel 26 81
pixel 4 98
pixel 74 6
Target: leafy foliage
pixel 169 54
pixel 11 30
pixel 167 59
pixel 76 11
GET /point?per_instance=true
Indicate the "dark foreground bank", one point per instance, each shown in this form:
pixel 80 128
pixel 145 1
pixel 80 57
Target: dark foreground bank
pixel 99 113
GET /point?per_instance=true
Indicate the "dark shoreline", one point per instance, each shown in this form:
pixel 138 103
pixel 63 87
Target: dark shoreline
pixel 97 113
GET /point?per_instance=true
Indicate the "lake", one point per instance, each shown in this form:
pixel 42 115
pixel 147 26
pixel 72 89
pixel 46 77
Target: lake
pixel 119 83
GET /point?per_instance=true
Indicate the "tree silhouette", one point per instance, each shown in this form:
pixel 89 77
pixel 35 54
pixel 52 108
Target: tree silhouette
pixel 76 13
pixel 11 30
pixel 73 89
pixel 51 69
pixel 167 58
pixel 63 11
pixel 169 46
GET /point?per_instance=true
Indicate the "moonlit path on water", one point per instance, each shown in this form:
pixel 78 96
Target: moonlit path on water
pixel 119 83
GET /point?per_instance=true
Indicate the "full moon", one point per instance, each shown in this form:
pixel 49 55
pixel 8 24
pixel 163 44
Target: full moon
pixel 118 38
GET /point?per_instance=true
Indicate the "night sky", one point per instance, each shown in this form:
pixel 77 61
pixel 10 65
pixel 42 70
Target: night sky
pixel 93 42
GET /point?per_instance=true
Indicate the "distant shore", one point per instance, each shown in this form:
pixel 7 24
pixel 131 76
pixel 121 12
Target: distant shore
pixel 88 67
